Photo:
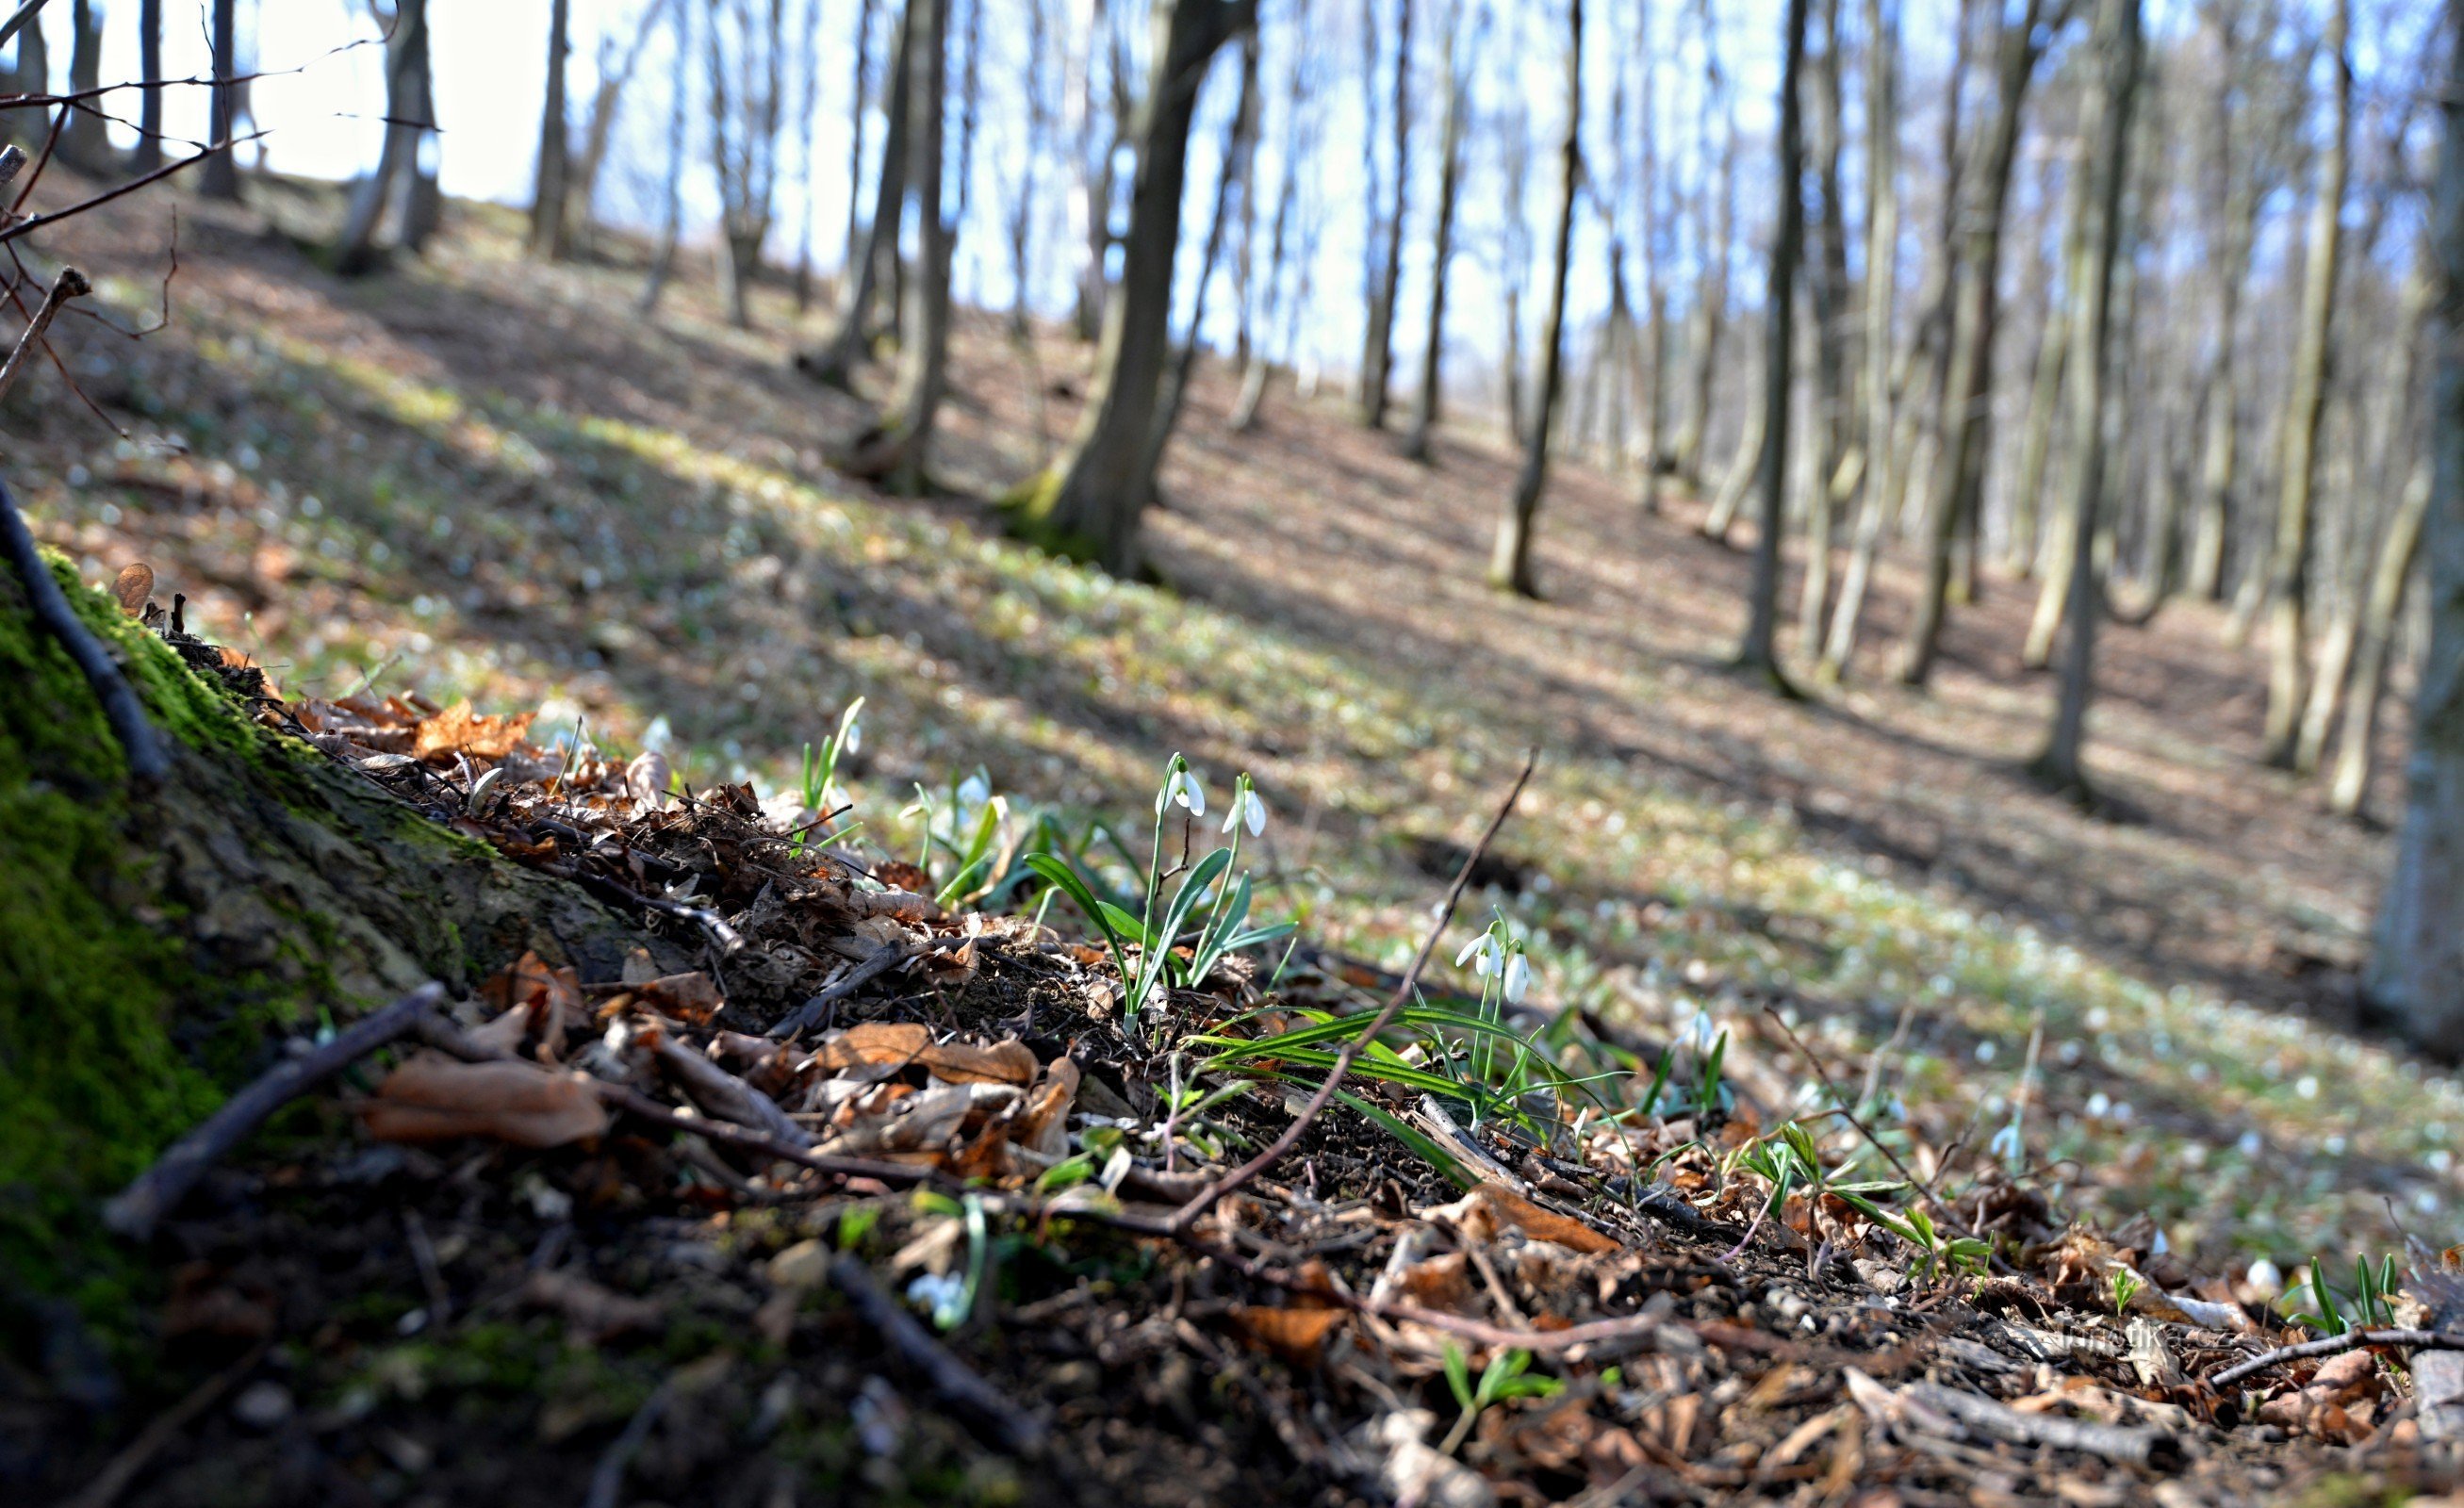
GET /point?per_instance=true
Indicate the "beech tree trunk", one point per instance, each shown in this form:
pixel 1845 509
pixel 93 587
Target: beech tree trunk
pixel 406 108
pixel 1451 131
pixel 1509 562
pixel 833 362
pixel 1089 504
pixel 1377 350
pixel 2115 43
pixel 2416 974
pixel 550 237
pixel 1703 322
pixel 1827 300
pixel 219 174
pixel 895 449
pixel 1759 649
pixel 2036 447
pixel 85 141
pixel 1966 413
pixel 149 155
pixel 1882 278
pixel 2289 563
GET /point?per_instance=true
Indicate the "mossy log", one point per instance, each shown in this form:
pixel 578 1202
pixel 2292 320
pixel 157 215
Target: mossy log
pixel 154 948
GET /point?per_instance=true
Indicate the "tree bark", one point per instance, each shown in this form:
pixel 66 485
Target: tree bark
pixel 1509 562
pixel 895 449
pixel 2416 974
pixel 1703 322
pixel 549 234
pixel 219 174
pixel 744 109
pixel 1377 350
pixel 1759 649
pixel 2049 388
pixel 663 260
pixel 149 155
pixel 833 362
pixel 1451 130
pixel 1090 505
pixel 85 141
pixel 1827 300
pixel 1881 288
pixel 2289 563
pixel 1967 415
pixel 357 252
pixel 1253 377
pixel 2059 768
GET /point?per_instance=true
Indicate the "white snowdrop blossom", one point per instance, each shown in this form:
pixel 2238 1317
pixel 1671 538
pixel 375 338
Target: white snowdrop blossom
pixel 1182 787
pixel 1518 979
pixel 853 738
pixel 974 792
pixel 940 1293
pixel 2008 1145
pixel 1703 1032
pixel 1246 808
pixel 1485 954
pixel 2266 1277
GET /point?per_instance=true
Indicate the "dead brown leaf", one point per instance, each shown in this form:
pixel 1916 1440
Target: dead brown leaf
pixel 690 997
pixel 1298 1336
pixel 457 729
pixel 434 1098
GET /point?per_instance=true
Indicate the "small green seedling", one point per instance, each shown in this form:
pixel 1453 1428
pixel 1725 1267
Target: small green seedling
pixel 2126 1287
pixel 1506 1376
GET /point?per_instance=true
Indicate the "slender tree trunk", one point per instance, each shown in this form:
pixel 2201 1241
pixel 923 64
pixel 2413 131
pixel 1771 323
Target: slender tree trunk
pixel 549 237
pixel 1442 241
pixel 1759 649
pixel 2416 974
pixel 219 174
pixel 663 261
pixel 857 114
pixel 85 141
pixel 2115 43
pixel 1232 179
pixel 357 252
pixel 1959 466
pixel 149 155
pixel 833 362
pixel 1097 186
pixel 1827 287
pixel 1022 212
pixel 2398 548
pixel 1091 503
pixel 1253 378
pixel 1881 280
pixel 2044 400
pixel 1377 350
pixel 2289 563
pixel 895 449
pixel 1510 562
pixel 1712 283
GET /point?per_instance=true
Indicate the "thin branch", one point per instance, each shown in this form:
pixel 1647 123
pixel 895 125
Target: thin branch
pixel 70 284
pixel 1190 1214
pixel 159 1190
pixel 2330 1345
pixel 25 13
pixel 992 1416
pixel 28 227
pixel 149 765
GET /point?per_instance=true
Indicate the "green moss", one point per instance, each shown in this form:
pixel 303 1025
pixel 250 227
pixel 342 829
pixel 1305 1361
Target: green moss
pixel 111 1039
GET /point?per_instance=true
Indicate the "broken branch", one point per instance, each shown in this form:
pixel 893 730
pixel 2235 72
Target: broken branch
pixel 2330 1345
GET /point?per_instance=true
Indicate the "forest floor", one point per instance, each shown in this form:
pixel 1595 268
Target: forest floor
pixel 478 477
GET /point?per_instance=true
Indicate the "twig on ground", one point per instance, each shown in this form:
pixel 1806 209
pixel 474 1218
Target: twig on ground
pixel 148 766
pixel 136 1208
pixel 880 961
pixel 607 1478
pixel 2132 1445
pixel 2330 1345
pixel 998 1421
pixel 135 1457
pixel 1190 1214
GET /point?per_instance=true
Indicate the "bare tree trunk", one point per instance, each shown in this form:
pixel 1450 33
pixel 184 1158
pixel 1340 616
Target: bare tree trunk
pixel 1882 278
pixel 1021 211
pixel 2416 974
pixel 1089 504
pixel 149 155
pixel 1712 283
pixel 2289 563
pixel 2053 361
pixel 2235 233
pixel 1377 349
pixel 1759 649
pixel 219 174
pixel 2398 548
pixel 809 70
pixel 85 141
pixel 2115 43
pixel 663 261
pixel 833 362
pixel 1827 287
pixel 1096 185
pixel 1959 466
pixel 356 252
pixel 895 449
pixel 1253 378
pixel 549 238
pixel 1510 562
pixel 861 96
pixel 615 73
pixel 1450 169
pixel 1232 178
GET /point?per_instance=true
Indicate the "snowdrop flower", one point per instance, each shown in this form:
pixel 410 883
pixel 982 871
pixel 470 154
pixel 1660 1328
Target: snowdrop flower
pixel 2008 1145
pixel 1484 953
pixel 2266 1277
pixel 852 727
pixel 1701 1033
pixel 1518 979
pixel 974 792
pixel 941 1294
pixel 1246 808
pixel 1182 786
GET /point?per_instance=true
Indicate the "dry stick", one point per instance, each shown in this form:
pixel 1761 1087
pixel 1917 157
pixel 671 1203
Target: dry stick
pixel 1190 1214
pixel 607 1478
pixel 138 1453
pixel 2350 1341
pixel 159 1190
pixel 149 765
pixel 880 961
pixel 998 1421
pixel 2132 1445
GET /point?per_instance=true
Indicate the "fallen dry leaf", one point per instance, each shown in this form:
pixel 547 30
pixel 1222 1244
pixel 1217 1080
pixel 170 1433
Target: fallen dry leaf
pixel 690 997
pixel 1298 1336
pixel 457 729
pixel 434 1098
pixel 1490 1209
